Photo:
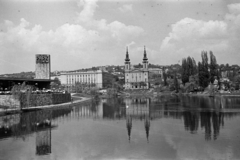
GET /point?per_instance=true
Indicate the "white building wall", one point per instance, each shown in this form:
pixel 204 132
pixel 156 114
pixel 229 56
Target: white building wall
pixel 135 76
pixel 71 78
pixel 99 79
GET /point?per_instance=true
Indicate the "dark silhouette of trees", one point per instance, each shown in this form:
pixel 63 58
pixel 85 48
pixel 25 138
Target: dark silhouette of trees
pixel 165 78
pixel 203 70
pixel 189 68
pixel 213 67
pixel 184 71
pixel 56 84
pixel 176 85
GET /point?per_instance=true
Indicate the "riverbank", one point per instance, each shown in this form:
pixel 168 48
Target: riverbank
pixel 75 100
pixel 151 93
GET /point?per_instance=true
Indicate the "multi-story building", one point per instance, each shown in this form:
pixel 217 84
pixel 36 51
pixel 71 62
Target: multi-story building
pixel 70 78
pixel 136 78
pixel 91 78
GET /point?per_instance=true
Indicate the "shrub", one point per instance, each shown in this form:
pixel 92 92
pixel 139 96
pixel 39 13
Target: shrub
pixel 43 99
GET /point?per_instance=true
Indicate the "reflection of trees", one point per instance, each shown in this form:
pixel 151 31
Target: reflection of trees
pixel 206 123
pixel 205 102
pixel 209 117
pixel 210 121
pixel 114 108
pixel 191 121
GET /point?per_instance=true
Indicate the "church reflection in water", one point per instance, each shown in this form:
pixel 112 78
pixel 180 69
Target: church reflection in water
pixel 196 113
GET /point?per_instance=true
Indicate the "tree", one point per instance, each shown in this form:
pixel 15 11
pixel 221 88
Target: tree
pixel 80 87
pixel 176 85
pixel 213 67
pixel 237 82
pixel 195 70
pixel 189 68
pixel 184 71
pixel 203 70
pixel 56 83
pixel 200 74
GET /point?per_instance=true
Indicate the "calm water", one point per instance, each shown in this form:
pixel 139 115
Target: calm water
pixel 166 127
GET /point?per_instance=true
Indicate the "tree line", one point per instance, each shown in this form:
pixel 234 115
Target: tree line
pixel 206 71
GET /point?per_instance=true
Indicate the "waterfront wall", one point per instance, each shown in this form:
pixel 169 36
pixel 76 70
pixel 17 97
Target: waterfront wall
pixel 43 99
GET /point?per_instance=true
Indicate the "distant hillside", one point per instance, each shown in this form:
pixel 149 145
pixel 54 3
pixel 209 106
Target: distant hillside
pixel 109 68
pixel 28 75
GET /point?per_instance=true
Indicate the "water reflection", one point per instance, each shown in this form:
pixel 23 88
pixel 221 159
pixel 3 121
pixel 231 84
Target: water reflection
pixel 20 126
pixel 195 113
pixel 129 127
pixel 43 142
pixel 147 127
pixel 208 120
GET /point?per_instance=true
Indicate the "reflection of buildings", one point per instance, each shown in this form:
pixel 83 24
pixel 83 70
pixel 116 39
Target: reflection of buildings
pixel 145 109
pixel 39 122
pixel 138 107
pixel 129 127
pixel 22 125
pixel 43 142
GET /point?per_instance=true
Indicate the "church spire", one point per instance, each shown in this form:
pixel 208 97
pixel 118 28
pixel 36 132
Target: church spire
pixel 127 55
pixel 145 55
pixel 145 59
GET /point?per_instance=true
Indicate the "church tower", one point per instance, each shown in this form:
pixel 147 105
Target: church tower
pixel 145 60
pixel 127 61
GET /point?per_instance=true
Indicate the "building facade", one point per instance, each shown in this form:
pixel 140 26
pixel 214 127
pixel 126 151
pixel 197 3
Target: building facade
pixel 70 78
pixel 136 78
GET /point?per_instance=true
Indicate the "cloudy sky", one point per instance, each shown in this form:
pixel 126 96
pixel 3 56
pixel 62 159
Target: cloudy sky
pixel 85 33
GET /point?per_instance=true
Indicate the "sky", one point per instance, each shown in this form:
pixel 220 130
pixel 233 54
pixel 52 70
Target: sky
pixel 85 33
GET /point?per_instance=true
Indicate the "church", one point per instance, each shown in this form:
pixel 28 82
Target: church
pixel 136 78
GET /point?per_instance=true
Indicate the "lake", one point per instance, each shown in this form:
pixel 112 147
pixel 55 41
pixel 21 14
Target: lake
pixel 165 127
